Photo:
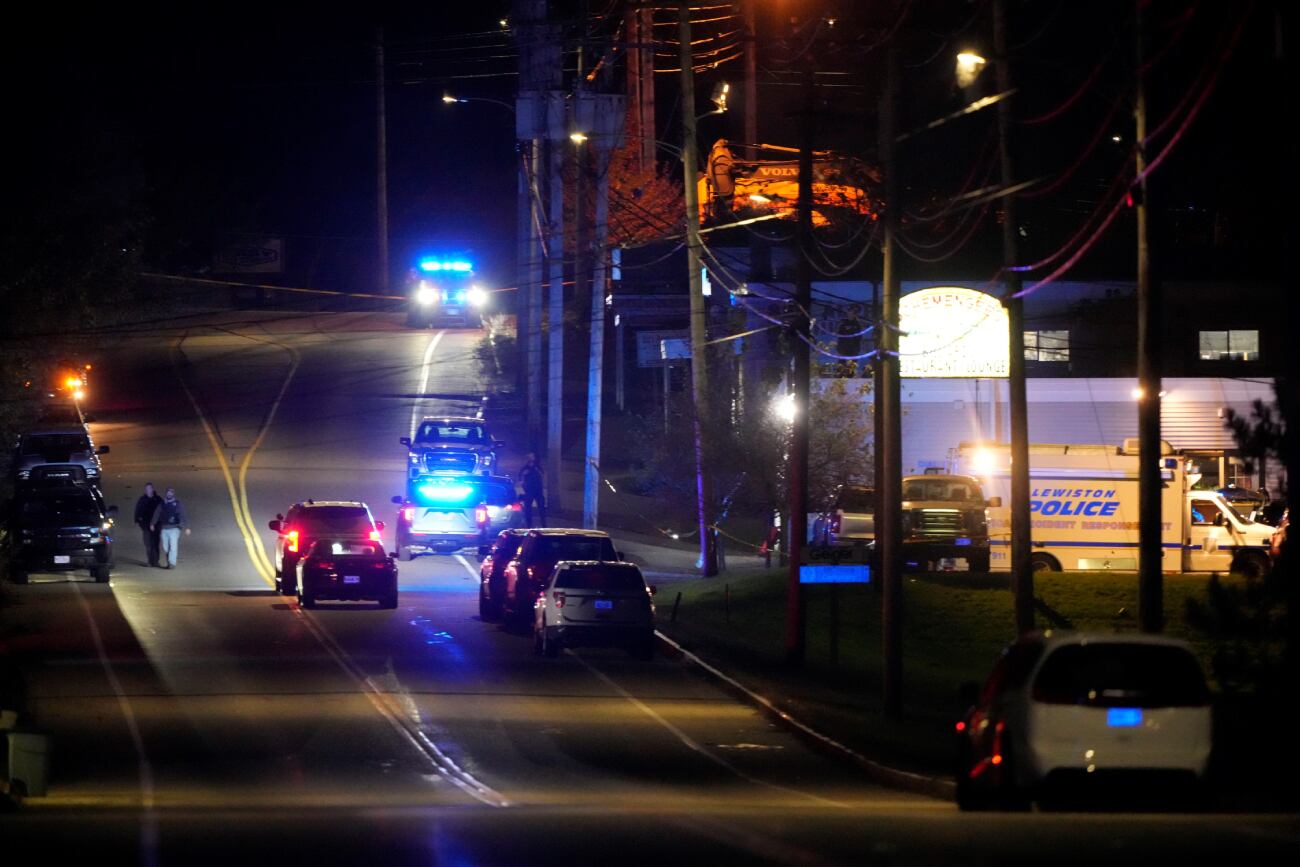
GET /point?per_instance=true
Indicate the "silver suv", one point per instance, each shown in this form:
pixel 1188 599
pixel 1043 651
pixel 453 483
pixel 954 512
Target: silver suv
pixel 58 445
pixel 595 603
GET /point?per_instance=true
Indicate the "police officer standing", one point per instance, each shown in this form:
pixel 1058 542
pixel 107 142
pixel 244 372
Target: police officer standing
pixel 144 510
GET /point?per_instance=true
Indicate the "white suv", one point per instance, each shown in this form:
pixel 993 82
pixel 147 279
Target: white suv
pixel 593 602
pixel 1070 713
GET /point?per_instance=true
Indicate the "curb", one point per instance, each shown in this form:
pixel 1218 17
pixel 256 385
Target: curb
pixel 922 784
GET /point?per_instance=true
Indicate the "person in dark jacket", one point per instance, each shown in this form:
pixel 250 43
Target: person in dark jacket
pixel 532 480
pixel 144 510
pixel 170 519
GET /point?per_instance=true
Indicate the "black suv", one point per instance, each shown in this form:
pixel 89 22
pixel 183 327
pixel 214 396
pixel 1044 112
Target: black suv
pixel 59 526
pixel 531 568
pixel 313 520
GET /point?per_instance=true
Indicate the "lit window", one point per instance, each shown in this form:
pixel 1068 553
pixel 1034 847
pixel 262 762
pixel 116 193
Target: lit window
pixel 1229 346
pixel 1047 346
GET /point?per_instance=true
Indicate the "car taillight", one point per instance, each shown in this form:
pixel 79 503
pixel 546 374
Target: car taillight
pixel 558 597
pixel 408 514
pixel 324 564
pixel 375 537
pixel 481 515
pixel 516 507
pixel 293 541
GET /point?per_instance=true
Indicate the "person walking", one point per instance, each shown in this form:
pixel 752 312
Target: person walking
pixel 169 519
pixel 533 481
pixel 144 510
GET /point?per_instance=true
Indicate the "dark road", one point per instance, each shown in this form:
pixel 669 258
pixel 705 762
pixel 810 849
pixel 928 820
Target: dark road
pixel 197 716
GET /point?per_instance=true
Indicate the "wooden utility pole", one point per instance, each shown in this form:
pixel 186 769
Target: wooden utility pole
pixel 1022 568
pixel 889 484
pixel 1150 550
pixel 555 324
pixel 699 321
pixel 799 336
pixel 381 160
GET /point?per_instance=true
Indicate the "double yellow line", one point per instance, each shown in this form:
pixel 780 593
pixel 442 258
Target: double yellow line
pixel 237 487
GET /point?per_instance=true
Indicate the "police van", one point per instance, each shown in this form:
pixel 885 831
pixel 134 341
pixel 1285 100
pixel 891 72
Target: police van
pixel 1084 510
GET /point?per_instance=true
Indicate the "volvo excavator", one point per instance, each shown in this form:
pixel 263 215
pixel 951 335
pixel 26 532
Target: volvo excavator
pixel 736 189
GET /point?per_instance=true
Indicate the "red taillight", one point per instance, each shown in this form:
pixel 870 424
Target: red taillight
pixel 375 537
pixel 324 564
pixel 408 514
pixel 481 515
pixel 516 507
pixel 996 758
pixel 293 541
pixel 961 726
pixel 558 597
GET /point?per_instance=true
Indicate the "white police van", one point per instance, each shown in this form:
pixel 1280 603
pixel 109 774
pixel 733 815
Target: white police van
pixel 1084 510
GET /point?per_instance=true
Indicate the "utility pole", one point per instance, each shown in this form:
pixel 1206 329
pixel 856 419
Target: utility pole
pixel 555 308
pixel 1150 550
pixel 641 81
pixel 1022 569
pixel 799 336
pixel 607 112
pixel 381 160
pixel 699 322
pixel 889 484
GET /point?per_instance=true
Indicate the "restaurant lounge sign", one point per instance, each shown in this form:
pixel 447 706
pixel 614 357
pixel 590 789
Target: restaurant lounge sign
pixel 952 332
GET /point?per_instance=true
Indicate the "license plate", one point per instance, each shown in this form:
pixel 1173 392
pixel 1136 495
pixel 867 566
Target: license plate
pixel 1124 717
pixel 351 579
pixel 60 559
pixel 605 604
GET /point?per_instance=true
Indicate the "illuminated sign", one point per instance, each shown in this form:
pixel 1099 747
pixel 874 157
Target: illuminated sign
pixel 948 331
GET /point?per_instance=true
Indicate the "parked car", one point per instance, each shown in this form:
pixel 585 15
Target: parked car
pixel 1063 713
pixel 492 572
pixel 444 514
pixel 540 550
pixel 61 444
pixel 348 569
pixel 312 520
pixel 595 603
pixel 451 444
pixel 59 526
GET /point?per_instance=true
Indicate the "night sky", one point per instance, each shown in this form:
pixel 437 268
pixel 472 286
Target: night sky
pixel 193 124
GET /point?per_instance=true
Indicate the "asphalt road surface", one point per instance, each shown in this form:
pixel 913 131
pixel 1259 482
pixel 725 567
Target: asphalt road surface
pixel 198 717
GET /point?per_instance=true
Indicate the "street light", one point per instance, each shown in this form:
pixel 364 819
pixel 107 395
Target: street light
pixel 969 66
pixel 577 137
pixel 784 407
pixel 448 99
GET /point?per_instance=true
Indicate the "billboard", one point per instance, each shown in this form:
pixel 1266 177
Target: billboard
pixel 952 332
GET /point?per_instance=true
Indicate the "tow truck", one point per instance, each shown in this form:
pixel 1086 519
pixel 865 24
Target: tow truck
pixel 442 291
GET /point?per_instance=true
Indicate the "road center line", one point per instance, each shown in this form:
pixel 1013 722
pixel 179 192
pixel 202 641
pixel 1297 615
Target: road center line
pixel 424 379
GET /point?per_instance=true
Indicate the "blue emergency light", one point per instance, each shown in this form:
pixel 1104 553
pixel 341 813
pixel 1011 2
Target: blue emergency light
pixel 444 493
pixel 433 265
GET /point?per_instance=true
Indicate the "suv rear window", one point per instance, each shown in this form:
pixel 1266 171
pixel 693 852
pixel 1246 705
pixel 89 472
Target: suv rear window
pixel 941 490
pixel 1121 675
pixel 575 548
pixel 335 519
pixel 856 500
pixel 347 548
pixel 600 578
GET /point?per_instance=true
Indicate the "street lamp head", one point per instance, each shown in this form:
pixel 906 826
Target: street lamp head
pixel 577 137
pixel 448 99
pixel 721 91
pixel 969 65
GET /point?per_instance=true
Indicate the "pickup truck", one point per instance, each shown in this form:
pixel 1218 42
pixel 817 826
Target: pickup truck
pixel 945 522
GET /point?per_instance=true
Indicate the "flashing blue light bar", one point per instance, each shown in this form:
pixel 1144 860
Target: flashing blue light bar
pixel 445 493
pixel 855 574
pixel 431 265
pixel 1123 717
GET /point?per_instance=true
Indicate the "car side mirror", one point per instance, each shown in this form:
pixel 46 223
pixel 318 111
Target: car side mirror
pixel 969 693
pixel 994 502
pixel 102 450
pixel 497 445
pixel 111 511
pixel 396 501
pixel 653 590
pixel 406 441
pixel 88 419
pixel 379 525
pixel 619 556
pixel 273 526
pixel 1218 520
